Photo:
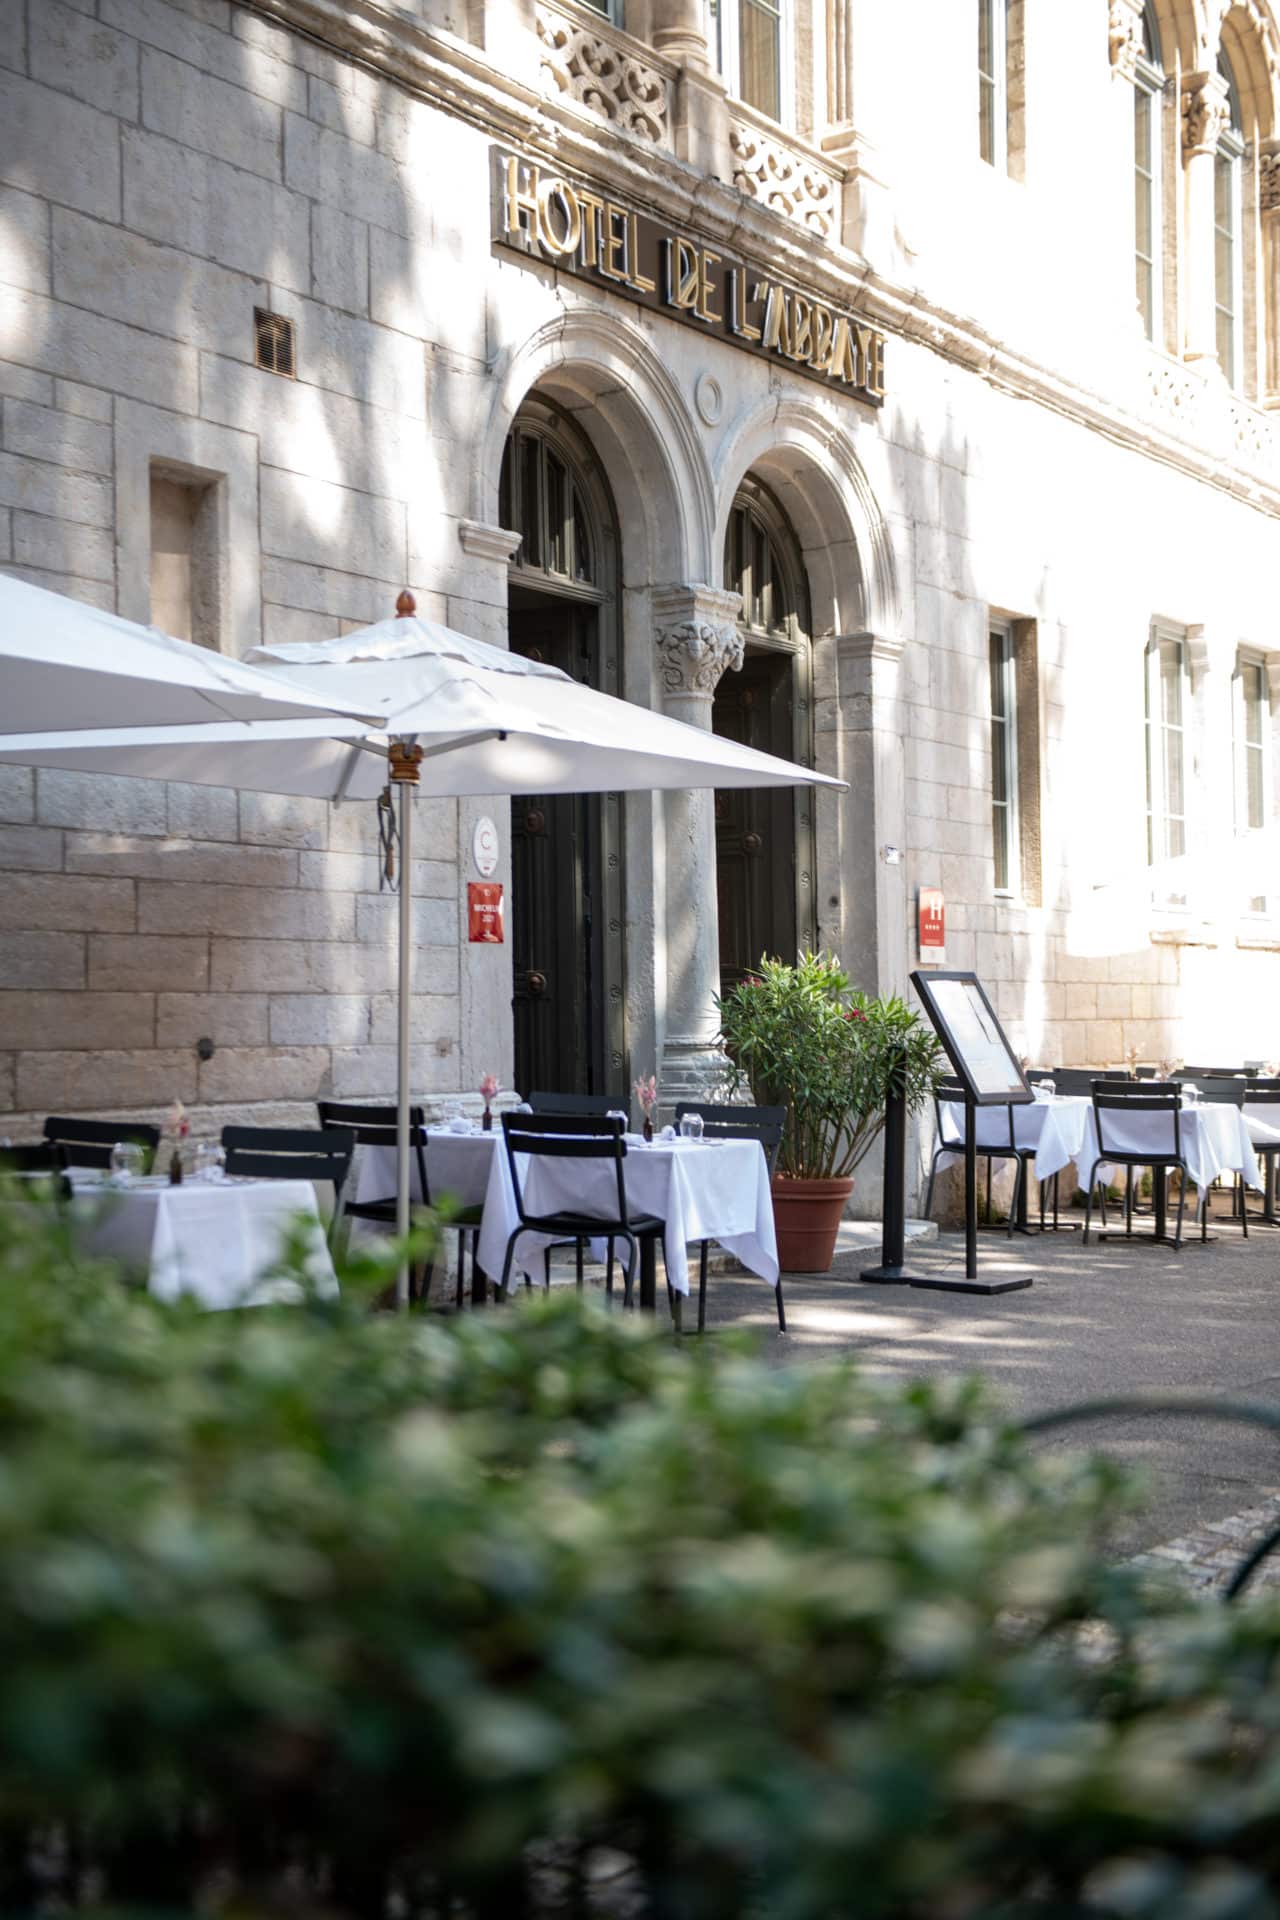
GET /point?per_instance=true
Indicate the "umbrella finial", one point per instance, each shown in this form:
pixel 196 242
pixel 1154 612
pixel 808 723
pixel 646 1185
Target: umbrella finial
pixel 406 605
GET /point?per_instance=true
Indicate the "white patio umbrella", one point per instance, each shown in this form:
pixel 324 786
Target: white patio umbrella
pixel 66 668
pixel 462 718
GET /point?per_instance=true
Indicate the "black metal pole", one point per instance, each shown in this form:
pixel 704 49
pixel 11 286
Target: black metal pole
pixel 893 1242
pixel 971 1282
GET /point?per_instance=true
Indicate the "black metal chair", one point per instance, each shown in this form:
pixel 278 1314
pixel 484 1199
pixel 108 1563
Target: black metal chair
pixel 88 1143
pixel 1112 1097
pixel 949 1140
pixel 575 1136
pixel 375 1126
pixel 35 1157
pixel 1266 1093
pixel 764 1124
pixel 581 1103
pixel 1223 1090
pixel 291 1153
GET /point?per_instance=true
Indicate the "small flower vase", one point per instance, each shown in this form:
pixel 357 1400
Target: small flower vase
pixel 486 1120
pixel 648 1126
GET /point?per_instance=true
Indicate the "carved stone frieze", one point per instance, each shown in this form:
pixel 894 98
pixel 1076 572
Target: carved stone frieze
pixel 695 653
pixel 1124 35
pixel 789 181
pixel 1205 112
pixel 604 76
pixel 1269 176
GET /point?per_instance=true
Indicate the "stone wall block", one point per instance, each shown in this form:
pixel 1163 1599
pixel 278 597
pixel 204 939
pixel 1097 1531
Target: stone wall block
pixel 100 801
pixel 59 902
pixel 70 397
pixel 38 487
pixel 358 873
pixel 73 150
pixel 228 1019
pixel 113 1081
pixel 329 167
pixel 200 111
pixel 65 1020
pixel 63 438
pixel 205 207
pixel 42 960
pixel 23 382
pixel 1081 1001
pixel 340 596
pixel 24 238
pixel 85 346
pixel 349 109
pixel 285 626
pixel 435 922
pixel 129 277
pixel 8 1081
pixel 265 1073
pixel 432 1018
pixel 17 794
pixel 1104 1041
pixel 311 520
pixel 339 259
pixel 371 1071
pixel 33 849
pixel 108 853
pixel 283 820
pixel 147 960
pixel 320 1019
pixel 1115 1003
pixel 203 813
pixel 267 913
pixel 58 547
pixel 13 35
pixel 206 43
pixel 85 58
pixel 328 436
pixel 275 966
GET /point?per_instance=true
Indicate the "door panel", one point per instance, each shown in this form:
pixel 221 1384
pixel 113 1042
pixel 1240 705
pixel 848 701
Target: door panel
pixel 756 879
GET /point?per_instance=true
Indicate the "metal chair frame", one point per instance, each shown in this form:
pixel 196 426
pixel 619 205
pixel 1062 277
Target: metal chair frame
pixel 764 1124
pixel 291 1153
pixel 588 1104
pixel 35 1157
pixel 575 1136
pixel 1110 1096
pixel 1222 1090
pixel 374 1125
pixel 951 1090
pixel 88 1143
pixel 1265 1093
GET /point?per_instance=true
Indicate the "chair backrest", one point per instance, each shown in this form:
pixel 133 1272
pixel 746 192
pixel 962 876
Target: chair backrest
pixel 945 1093
pixel 1262 1093
pixel 1216 1091
pixel 565 1136
pixel 289 1153
pixel 1077 1080
pixel 1124 1101
pixel 765 1124
pixel 37 1156
pixel 1209 1073
pixel 88 1143
pixel 375 1126
pixel 588 1103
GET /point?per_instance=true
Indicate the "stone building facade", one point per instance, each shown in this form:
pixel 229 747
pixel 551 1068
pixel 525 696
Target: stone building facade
pixel 892 385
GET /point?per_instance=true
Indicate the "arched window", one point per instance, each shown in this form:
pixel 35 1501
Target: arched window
pixel 751 42
pixel 1147 94
pixel 1227 299
pixel 541 499
pixel 761 564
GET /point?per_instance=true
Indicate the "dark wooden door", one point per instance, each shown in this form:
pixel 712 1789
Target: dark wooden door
pixel 564 1001
pixel 756 880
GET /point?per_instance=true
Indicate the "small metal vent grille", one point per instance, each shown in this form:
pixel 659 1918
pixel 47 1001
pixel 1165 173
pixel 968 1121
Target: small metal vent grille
pixel 273 342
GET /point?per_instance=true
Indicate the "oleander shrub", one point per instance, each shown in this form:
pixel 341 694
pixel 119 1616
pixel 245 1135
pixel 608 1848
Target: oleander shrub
pixel 313 1611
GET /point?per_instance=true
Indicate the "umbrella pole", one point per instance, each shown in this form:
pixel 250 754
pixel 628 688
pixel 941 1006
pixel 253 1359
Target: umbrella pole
pixel 403 763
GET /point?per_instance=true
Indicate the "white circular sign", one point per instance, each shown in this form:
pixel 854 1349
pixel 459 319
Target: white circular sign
pixel 484 846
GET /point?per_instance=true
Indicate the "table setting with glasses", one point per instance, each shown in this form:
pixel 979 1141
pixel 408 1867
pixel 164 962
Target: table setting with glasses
pixel 1215 1139
pixel 1052 1123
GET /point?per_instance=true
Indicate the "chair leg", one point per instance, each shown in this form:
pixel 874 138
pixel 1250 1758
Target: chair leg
pixel 1088 1210
pixel 501 1287
pixel 1244 1205
pixel 1056 1178
pixel 782 1311
pixel 1182 1201
pixel 608 1268
pixel 928 1192
pixel 1204 1212
pixel 1128 1200
pixel 577 1253
pixel 702 1288
pixel 546 1269
pixel 629 1276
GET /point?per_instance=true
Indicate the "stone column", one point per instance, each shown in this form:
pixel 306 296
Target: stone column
pixel 870 723
pixel 1269 297
pixel 1125 34
pixel 697 638
pixel 1204 117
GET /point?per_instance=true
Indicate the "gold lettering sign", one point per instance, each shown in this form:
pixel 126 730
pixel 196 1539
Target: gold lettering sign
pixel 576 230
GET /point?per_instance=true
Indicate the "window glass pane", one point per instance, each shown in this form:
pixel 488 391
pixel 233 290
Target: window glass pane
pixel 1224 266
pixel 1000 847
pixel 760 57
pixel 530 501
pixel 995 643
pixel 1251 675
pixel 557 560
pixel 583 557
pixel 1171 682
pixel 1255 800
pixel 506 511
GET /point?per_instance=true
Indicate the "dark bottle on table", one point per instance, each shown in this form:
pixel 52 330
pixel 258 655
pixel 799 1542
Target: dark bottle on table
pixel 175 1168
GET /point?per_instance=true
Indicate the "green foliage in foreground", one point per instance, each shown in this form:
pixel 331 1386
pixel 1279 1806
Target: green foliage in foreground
pixel 300 1605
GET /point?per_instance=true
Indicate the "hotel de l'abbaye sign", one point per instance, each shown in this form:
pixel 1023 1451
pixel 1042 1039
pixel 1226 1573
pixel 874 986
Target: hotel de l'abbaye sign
pixel 581 231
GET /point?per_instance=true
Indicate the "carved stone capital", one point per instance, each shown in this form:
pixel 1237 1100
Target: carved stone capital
pixel 1205 112
pixel 694 654
pixel 1269 176
pixel 1124 36
pixel 487 542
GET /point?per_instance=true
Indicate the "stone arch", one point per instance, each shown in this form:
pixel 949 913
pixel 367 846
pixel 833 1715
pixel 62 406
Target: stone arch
pixel 808 460
pixel 601 369
pixel 1182 34
pixel 1248 37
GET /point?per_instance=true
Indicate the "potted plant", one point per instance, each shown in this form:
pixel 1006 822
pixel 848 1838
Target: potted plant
pixel 802 1038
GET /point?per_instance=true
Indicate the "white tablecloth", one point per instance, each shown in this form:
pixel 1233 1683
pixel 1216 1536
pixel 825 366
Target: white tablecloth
pixel 1055 1128
pixel 1263 1123
pixel 216 1242
pixel 1215 1140
pixel 708 1190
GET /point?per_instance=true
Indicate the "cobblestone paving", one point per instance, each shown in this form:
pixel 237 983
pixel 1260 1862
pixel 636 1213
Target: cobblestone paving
pixel 1207 1558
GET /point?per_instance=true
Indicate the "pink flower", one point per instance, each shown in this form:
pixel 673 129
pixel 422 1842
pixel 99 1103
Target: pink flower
pixel 854 1013
pixel 489 1088
pixel 646 1092
pixel 178 1121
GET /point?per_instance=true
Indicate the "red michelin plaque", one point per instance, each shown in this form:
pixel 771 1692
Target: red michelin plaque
pixel 485 912
pixel 933 939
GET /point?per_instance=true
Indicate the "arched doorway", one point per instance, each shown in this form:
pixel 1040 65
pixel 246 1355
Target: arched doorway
pixel 566 850
pixel 764 836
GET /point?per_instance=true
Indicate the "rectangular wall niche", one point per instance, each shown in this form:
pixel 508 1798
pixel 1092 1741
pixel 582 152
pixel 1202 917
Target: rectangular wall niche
pixel 186 558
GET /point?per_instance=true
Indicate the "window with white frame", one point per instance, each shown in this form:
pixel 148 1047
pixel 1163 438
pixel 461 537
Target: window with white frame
pixel 1147 95
pixel 1226 232
pixel 1167 717
pixel 993 83
pixel 753 51
pixel 1004 756
pixel 1252 742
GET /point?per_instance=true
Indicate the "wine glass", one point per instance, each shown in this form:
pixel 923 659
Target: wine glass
pixel 128 1162
pixel 209 1163
pixel 691 1126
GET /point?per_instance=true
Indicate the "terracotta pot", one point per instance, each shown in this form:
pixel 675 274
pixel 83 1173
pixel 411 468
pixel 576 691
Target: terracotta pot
pixel 806 1216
